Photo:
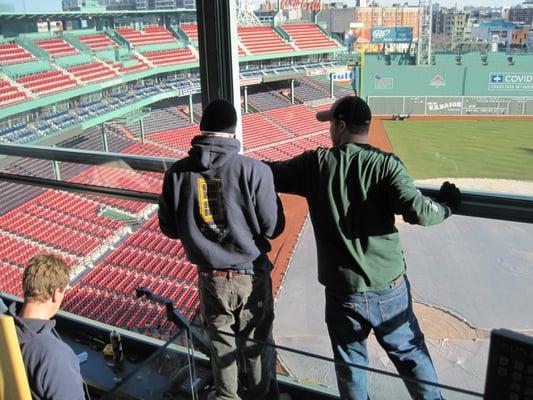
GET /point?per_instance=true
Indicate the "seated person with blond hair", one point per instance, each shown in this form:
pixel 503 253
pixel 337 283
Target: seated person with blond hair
pixel 52 367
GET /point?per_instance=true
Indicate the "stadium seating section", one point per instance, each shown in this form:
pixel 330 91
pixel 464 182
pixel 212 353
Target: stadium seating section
pixel 92 72
pixel 299 119
pixel 56 47
pixel 167 57
pixel 309 36
pixel 145 259
pixel 47 82
pixel 262 40
pixel 191 30
pixel 150 35
pixel 97 42
pixel 78 59
pixel 137 66
pixel 176 138
pixel 12 53
pixel 9 94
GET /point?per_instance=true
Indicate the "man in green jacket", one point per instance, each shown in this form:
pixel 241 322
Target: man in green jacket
pixel 354 191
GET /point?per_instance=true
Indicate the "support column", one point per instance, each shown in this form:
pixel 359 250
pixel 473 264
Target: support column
pixel 246 99
pixel 57 171
pixel 141 128
pixel 219 56
pixel 292 91
pixel 331 88
pixel 191 111
pixel 104 139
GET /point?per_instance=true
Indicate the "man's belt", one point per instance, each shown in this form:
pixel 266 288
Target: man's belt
pixel 397 282
pixel 225 273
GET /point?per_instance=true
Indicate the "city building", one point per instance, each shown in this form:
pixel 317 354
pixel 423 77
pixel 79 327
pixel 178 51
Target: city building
pixel 394 16
pixel 483 13
pixel 450 23
pixel 78 5
pixel 522 13
pixel 499 32
pixel 519 38
pixel 337 20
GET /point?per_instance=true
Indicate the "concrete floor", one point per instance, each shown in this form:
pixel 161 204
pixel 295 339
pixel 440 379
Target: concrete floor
pixel 479 270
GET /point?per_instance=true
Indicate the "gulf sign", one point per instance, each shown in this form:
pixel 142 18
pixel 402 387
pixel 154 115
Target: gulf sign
pixel 391 35
pixel 344 76
pixel 522 81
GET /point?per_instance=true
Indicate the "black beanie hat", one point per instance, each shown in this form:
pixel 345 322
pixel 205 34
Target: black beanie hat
pixel 219 116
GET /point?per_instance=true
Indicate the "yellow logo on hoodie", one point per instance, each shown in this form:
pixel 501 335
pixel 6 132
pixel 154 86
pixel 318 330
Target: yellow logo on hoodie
pixel 210 200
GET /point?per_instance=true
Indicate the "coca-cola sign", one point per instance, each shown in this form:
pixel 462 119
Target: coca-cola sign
pixel 305 5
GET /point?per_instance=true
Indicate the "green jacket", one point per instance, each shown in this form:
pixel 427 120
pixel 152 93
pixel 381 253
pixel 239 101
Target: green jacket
pixel 353 192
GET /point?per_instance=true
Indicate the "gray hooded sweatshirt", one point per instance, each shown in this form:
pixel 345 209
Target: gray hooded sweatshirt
pixel 52 367
pixel 221 205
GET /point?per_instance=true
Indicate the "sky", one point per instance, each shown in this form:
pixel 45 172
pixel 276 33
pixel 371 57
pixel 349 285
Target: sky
pixel 55 5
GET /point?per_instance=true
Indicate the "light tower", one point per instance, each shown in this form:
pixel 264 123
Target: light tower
pixel 423 55
pixel 245 14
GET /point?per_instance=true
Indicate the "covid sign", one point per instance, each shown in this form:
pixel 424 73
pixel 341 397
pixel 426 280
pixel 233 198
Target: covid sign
pixel 511 81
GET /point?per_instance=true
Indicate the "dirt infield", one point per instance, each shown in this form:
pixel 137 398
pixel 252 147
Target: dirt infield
pixel 378 135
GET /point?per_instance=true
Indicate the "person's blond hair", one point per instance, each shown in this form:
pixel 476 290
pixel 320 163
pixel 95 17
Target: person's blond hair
pixel 44 274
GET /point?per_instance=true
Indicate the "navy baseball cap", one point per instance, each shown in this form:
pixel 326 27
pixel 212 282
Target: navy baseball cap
pixel 351 109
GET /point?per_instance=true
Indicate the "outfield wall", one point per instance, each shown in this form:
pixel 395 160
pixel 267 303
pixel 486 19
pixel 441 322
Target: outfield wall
pixel 451 105
pixel 493 80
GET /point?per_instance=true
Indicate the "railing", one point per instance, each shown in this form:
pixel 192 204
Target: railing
pixel 498 206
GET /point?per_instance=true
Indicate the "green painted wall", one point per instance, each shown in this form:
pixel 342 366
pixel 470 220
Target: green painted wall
pixel 495 79
pixel 412 80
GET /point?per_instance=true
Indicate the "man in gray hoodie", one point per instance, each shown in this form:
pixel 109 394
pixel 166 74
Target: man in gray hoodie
pixel 52 367
pixel 223 207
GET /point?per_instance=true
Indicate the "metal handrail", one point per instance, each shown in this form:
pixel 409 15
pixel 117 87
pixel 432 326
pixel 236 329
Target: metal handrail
pixel 481 204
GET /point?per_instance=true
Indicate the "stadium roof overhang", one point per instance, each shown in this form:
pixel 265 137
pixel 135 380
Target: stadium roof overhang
pixel 66 15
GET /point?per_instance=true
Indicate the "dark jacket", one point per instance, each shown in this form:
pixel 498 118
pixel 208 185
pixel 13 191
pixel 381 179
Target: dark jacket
pixel 52 367
pixel 221 205
pixel 353 192
pixel 3 307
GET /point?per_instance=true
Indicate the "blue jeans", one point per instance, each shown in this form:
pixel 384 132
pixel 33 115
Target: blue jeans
pixel 389 312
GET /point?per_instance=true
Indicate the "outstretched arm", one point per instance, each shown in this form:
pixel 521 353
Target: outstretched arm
pixel 268 206
pixel 407 200
pixel 294 175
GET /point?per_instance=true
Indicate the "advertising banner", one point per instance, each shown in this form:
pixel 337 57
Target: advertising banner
pixel 511 81
pixel 391 35
pixel 345 76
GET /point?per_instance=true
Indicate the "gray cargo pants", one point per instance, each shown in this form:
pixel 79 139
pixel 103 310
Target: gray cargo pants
pixel 242 306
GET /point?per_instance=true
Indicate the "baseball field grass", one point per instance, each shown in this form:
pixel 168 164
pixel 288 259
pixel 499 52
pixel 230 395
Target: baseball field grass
pixel 464 149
